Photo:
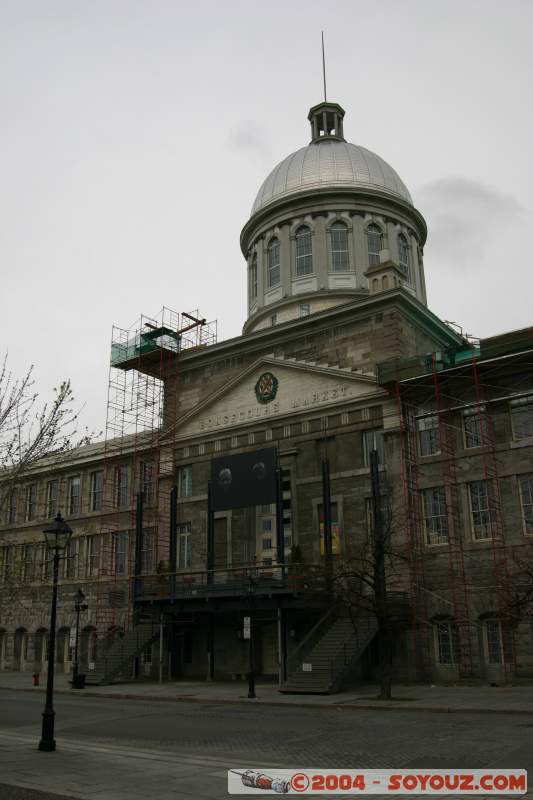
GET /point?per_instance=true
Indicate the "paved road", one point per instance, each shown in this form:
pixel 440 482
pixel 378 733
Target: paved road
pixel 113 749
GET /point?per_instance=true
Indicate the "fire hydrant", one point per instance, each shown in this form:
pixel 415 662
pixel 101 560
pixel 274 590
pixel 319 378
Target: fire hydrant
pixel 35 678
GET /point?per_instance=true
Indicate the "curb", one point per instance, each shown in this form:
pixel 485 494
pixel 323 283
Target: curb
pixel 382 706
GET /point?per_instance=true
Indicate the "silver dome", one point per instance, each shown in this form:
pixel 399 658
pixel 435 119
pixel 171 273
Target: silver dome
pixel 330 163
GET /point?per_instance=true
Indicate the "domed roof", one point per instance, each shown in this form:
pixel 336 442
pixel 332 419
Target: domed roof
pixel 330 163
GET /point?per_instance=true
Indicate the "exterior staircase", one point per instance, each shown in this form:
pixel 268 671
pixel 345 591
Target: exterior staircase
pixel 118 657
pixel 327 655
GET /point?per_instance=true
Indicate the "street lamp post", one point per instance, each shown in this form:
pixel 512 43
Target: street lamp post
pixel 251 652
pixel 57 537
pixel 78 681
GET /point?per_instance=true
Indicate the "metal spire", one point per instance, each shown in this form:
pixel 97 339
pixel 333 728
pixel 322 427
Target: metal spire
pixel 324 67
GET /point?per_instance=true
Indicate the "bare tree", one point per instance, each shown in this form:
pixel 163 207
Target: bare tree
pixel 370 580
pixel 30 430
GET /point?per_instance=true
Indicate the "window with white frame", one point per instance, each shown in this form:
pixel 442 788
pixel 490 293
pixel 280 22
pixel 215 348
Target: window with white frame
pixel 120 552
pixel 447 642
pixel 340 256
pixel 473 425
pixel 273 320
pixel 428 435
pixel 373 440
pixel 304 251
pixel 52 498
pixel 305 309
pixel 273 263
pixel 526 497
pixel 96 490
pixel 498 642
pixel 252 284
pixel 403 254
pixel 184 545
pixel 74 494
pixel 31 502
pixel 435 515
pixel 483 509
pixel 522 417
pixel 122 486
pixel 185 480
pixel 374 239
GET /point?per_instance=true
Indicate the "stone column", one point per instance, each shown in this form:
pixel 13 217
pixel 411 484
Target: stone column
pixel 285 259
pixel 359 250
pixel 320 256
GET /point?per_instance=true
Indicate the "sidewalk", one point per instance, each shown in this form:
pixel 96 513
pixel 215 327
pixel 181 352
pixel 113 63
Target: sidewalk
pixel 444 699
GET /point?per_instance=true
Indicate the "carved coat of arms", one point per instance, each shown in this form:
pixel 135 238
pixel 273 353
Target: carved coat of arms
pixel 266 387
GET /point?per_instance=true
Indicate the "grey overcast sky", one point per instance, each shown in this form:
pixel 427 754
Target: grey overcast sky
pixel 135 133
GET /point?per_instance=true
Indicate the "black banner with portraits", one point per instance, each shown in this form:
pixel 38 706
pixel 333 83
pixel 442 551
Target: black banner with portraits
pixel 243 480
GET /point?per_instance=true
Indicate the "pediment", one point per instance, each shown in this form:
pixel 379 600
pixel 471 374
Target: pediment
pixel 299 386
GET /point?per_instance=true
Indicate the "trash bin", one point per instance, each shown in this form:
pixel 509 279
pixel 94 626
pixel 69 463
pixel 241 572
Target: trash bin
pixel 35 679
pixel 78 681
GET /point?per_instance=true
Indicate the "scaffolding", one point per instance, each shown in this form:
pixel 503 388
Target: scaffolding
pixel 142 409
pixel 443 385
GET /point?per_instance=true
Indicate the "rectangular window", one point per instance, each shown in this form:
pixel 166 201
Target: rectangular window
pixel 483 508
pixel 522 417
pixel 185 481
pixel 147 551
pixel 435 515
pixel 52 498
pixel 340 257
pixel 120 552
pixel 93 555
pixel 71 565
pixel 499 642
pixel 266 525
pixel 526 496
pixel 273 320
pixel 5 560
pixel 305 309
pixel 373 440
pixel 428 435
pixel 97 490
pixel 12 510
pixel 28 567
pixel 147 477
pixel 147 654
pixel 31 502
pixel 473 423
pixel 121 486
pixel 184 545
pixel 447 643
pixel 267 544
pixel 74 495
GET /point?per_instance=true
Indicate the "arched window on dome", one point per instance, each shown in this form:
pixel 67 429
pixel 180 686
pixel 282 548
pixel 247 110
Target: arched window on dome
pixel 340 256
pixel 403 254
pixel 273 263
pixel 374 239
pixel 252 282
pixel 304 251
